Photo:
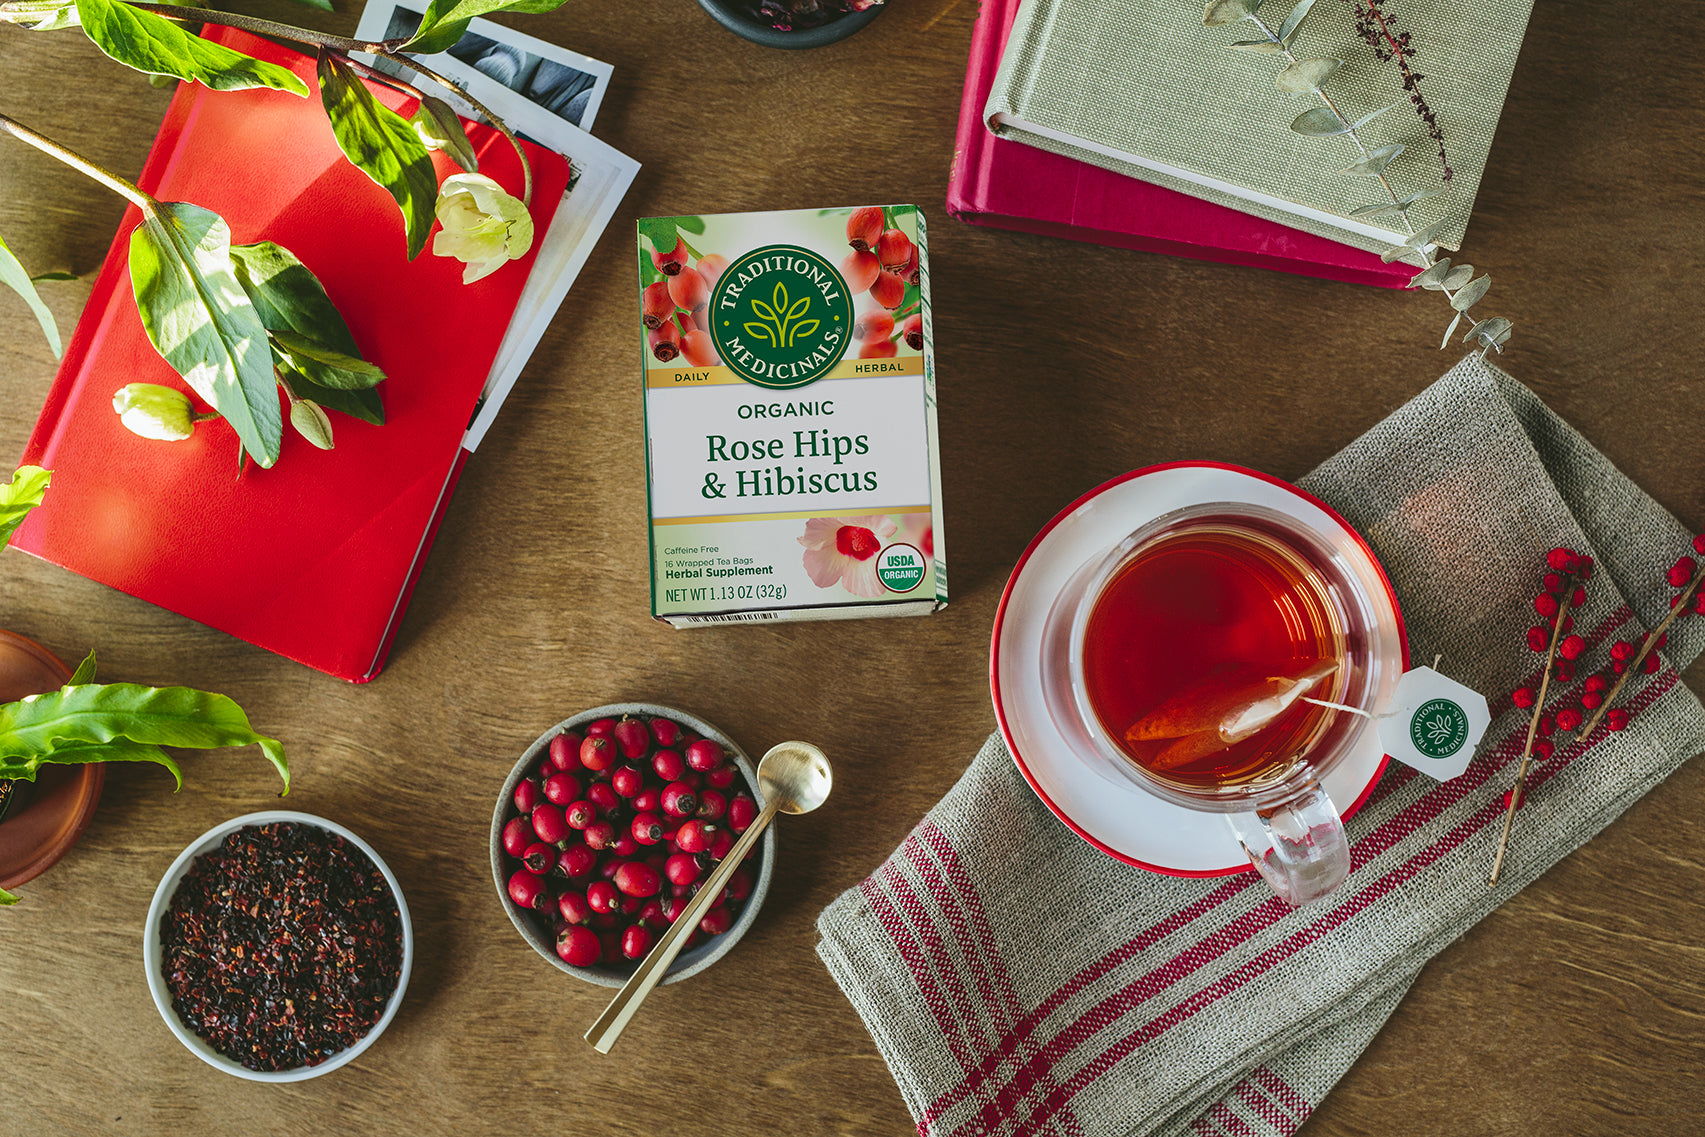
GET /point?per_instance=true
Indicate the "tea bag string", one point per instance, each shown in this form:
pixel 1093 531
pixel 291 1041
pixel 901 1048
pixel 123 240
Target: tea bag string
pixel 1357 710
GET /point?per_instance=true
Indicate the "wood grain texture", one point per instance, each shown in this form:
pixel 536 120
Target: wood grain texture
pixel 1577 1008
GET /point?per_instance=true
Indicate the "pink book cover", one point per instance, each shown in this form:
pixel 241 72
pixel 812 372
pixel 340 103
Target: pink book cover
pixel 1009 185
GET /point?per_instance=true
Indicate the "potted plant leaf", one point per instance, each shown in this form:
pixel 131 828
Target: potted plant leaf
pixel 84 723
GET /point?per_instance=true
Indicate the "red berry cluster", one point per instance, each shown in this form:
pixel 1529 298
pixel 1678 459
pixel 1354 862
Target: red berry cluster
pixel 673 309
pixel 884 262
pixel 615 830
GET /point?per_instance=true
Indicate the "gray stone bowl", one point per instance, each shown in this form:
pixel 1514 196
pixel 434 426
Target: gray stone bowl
pixel 739 20
pixel 532 927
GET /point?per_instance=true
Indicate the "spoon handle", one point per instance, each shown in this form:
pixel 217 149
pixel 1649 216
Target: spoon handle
pixel 614 1020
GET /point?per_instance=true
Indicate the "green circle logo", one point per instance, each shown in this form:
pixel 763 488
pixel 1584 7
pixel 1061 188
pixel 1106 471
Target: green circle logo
pixel 781 317
pixel 900 567
pixel 1439 728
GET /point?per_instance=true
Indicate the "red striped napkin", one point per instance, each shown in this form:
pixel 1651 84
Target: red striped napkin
pixel 1017 981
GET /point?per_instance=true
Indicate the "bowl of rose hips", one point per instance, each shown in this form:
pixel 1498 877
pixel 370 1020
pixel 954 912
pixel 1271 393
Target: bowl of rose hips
pixel 605 829
pixel 278 946
pixel 793 23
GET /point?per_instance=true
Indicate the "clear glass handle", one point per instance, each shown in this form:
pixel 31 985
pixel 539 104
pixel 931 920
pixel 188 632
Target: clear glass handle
pixel 1298 847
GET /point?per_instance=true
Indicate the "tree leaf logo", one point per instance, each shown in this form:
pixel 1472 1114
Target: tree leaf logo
pixel 782 323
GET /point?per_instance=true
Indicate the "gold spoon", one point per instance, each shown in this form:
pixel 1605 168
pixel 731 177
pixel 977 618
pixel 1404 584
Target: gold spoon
pixel 794 777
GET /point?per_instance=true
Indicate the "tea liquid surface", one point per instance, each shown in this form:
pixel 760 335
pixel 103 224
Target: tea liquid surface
pixel 1212 607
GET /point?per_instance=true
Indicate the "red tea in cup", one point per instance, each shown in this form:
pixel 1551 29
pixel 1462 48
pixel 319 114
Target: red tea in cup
pixel 1200 648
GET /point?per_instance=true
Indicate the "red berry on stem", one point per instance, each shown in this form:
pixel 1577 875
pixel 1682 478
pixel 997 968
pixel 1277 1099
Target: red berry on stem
pixel 1553 582
pixel 1653 662
pixel 655 304
pixel 1546 605
pixel 1591 700
pixel 1579 598
pixel 894 250
pixel 864 228
pixel 1571 647
pixel 549 824
pixel 1543 748
pixel 666 731
pixel 912 271
pixel 1622 650
pixel 1596 683
pixel 1568 719
pixel 705 754
pixel 1522 697
pixel 668 764
pixel 673 261
pixel 636 941
pixel 1538 639
pixel 860 270
pixel 517 835
pixel 1546 725
pixel 888 289
pixel 1699 544
pixel 699 350
pixel 688 289
pixel 1616 719
pixel 579 946
pixel 527 890
pixel 1507 794
pixel 877 324
pixel 1681 572
pixel 1561 559
pixel 1565 670
pixel 912 331
pixel 597 753
pixel 664 342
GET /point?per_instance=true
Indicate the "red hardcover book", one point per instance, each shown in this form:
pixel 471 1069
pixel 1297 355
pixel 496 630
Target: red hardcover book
pixel 314 558
pixel 1009 185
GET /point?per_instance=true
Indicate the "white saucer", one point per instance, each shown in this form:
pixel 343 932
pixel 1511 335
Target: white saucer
pixel 1115 816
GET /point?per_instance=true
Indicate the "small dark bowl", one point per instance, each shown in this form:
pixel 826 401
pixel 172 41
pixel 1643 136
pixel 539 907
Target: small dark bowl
pixel 737 18
pixel 688 963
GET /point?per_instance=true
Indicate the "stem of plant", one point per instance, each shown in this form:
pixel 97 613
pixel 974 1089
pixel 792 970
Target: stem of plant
pixel 268 28
pixel 1647 648
pixel 112 181
pixel 1533 728
pixel 491 118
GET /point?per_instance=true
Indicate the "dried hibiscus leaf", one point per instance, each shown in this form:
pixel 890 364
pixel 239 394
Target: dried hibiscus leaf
pixel 1230 704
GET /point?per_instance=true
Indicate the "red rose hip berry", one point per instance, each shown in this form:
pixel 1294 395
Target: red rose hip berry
pixel 632 737
pixel 695 836
pixel 636 940
pixel 627 781
pixel 912 331
pixel 561 788
pixel 647 828
pixel 577 861
pixel 678 800
pixel 668 764
pixel 549 823
pixel 638 879
pixel 716 921
pixel 682 868
pixel 538 858
pixel 517 835
pixel 578 946
pixel 655 305
pixel 603 896
pixel 597 753
pixel 565 751
pixel 742 811
pixel 864 228
pixel 527 890
pixel 666 732
pixel 705 754
pixel 528 795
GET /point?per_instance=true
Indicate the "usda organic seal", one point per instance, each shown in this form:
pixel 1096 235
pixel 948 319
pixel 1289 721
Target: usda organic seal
pixel 900 567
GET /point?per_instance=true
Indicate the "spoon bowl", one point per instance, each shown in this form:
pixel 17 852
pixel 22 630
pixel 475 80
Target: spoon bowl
pixel 796 776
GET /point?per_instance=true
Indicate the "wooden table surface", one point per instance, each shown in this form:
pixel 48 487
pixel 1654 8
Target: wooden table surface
pixel 1579 1007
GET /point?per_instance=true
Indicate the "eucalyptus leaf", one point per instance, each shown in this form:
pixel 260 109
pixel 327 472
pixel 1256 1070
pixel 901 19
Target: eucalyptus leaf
pixel 353 371
pixel 17 497
pixel 1377 209
pixel 1424 237
pixel 1398 253
pixel 38 727
pixel 446 20
pixel 1459 276
pixel 118 750
pixel 365 404
pixel 1454 322
pixel 13 276
pixel 1375 163
pixel 1306 75
pixel 381 144
pixel 438 126
pixel 1494 332
pixel 1371 115
pixel 1259 46
pixel 1228 11
pixel 202 322
pixel 1320 122
pixel 1469 294
pixel 1430 276
pixel 1293 22
pixel 1420 195
pixel 155 45
pixel 85 672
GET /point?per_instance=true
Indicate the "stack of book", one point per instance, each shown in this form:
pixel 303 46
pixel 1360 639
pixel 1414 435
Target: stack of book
pixel 315 557
pixel 1135 125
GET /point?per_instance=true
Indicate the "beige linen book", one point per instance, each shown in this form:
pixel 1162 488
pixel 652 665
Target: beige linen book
pixel 1142 87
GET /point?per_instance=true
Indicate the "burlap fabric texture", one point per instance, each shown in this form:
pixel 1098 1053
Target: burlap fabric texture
pixel 1018 981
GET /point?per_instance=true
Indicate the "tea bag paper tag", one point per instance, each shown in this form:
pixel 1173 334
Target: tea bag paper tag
pixel 1434 723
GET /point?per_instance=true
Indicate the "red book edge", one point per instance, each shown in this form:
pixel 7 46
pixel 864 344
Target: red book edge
pixel 1058 185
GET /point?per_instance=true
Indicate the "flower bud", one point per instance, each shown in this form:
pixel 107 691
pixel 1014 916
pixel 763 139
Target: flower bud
pixel 311 422
pixel 154 411
pixel 483 227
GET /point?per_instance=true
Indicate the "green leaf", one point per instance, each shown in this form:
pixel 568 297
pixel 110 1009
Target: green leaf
pixel 364 404
pixel 13 276
pixel 1225 11
pixel 692 223
pixel 44 15
pixel 350 372
pixel 202 322
pixel 438 127
pixel 1470 293
pixel 1307 75
pixel 322 5
pixel 1293 23
pixel 17 497
pixel 1371 115
pixel 118 750
pixel 85 672
pixel 1494 332
pixel 1449 330
pixel 1320 122
pixel 446 20
pixel 1259 46
pixel 155 45
pixel 290 298
pixel 40 727
pixel 1424 237
pixel 7 899
pixel 41 276
pixel 381 144
pixel 1377 209
pixel 1459 276
pixel 1430 276
pixel 1420 195
pixel 1375 163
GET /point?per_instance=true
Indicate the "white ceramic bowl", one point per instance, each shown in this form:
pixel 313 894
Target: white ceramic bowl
pixel 689 962
pixel 153 949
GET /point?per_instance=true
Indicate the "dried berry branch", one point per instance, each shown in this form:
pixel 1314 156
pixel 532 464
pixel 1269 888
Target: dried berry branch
pixel 1554 604
pixel 1374 26
pixel 1686 601
pixel 1308 76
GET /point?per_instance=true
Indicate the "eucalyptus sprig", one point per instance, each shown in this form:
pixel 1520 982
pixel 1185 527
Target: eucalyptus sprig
pixel 1309 76
pixel 239 323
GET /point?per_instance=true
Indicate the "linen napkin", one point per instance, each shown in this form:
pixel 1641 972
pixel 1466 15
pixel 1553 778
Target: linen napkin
pixel 1017 981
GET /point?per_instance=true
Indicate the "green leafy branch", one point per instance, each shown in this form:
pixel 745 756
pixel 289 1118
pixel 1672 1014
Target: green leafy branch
pixel 1309 76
